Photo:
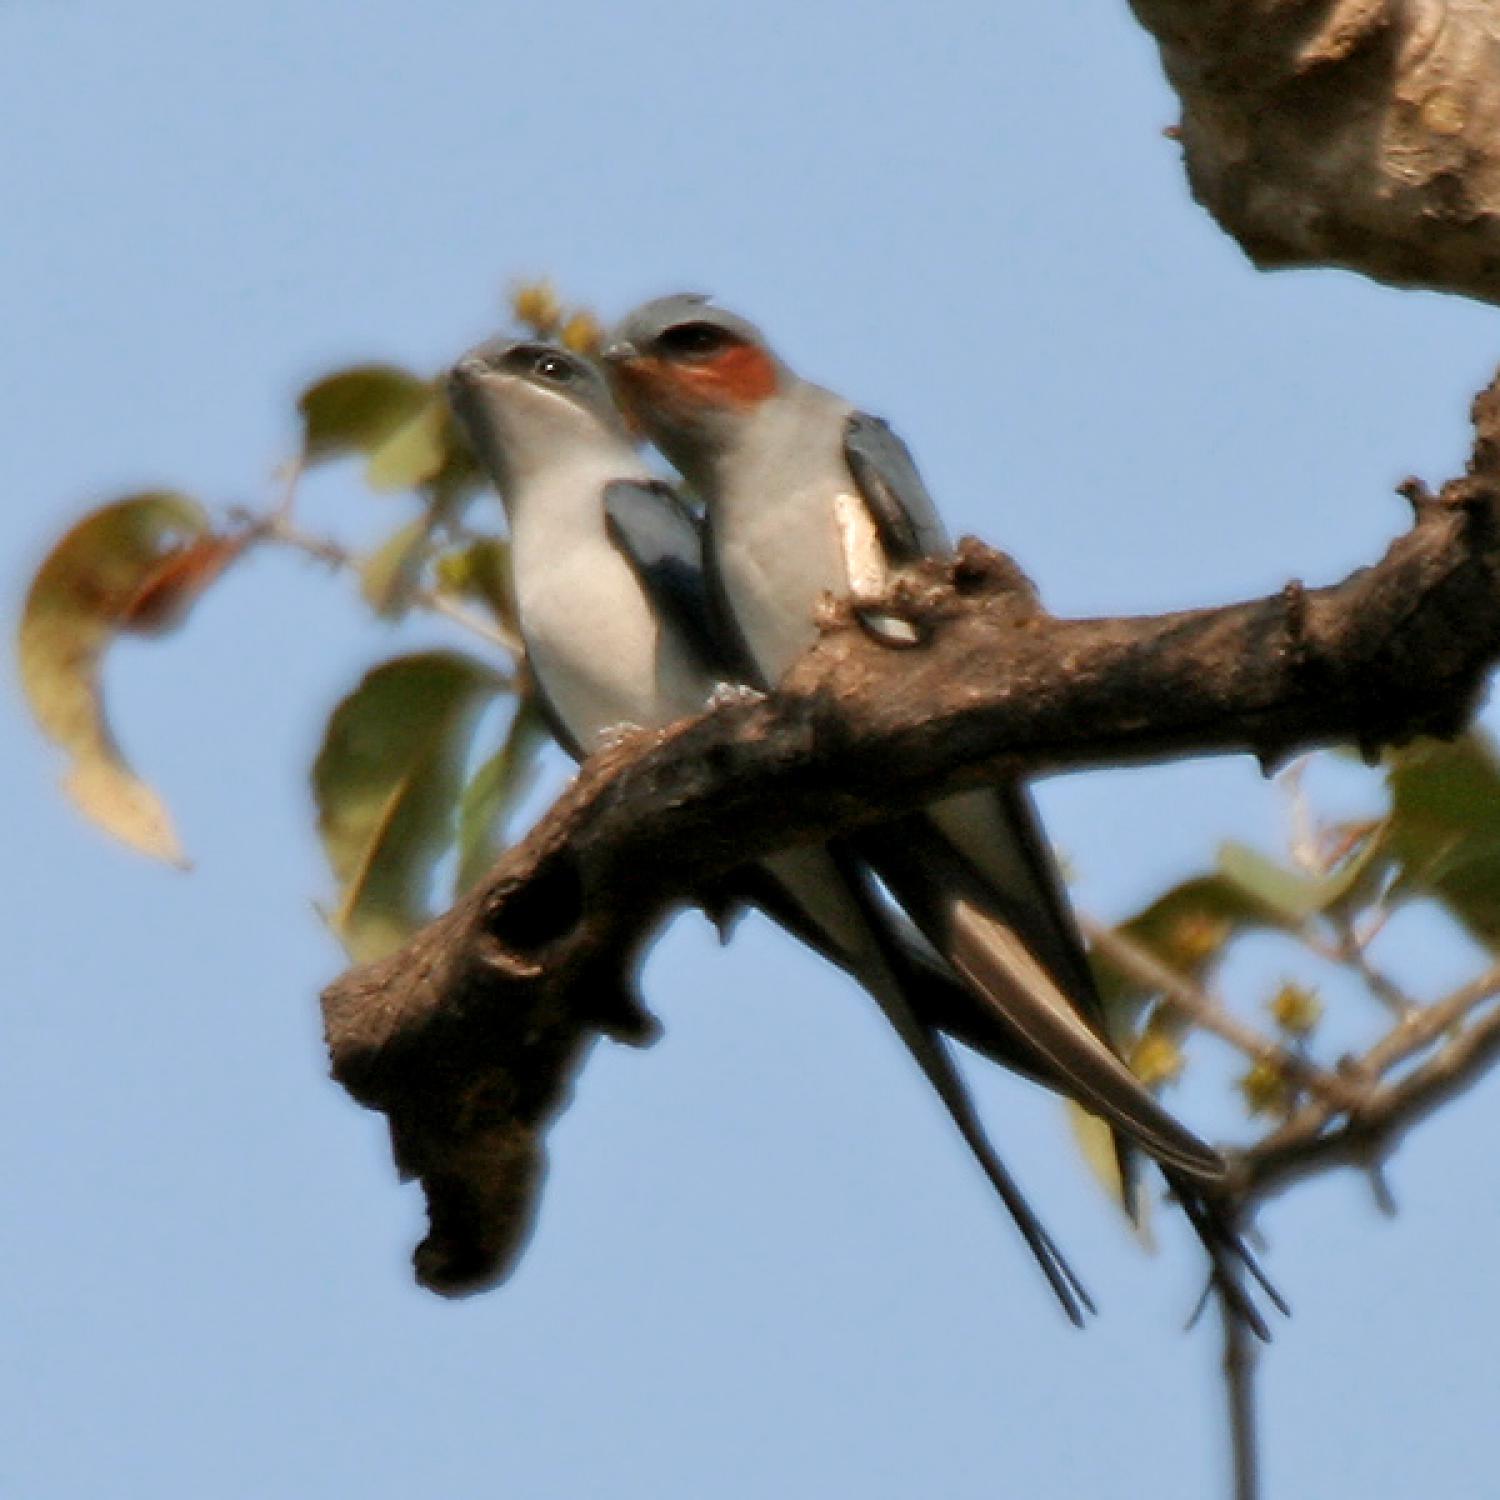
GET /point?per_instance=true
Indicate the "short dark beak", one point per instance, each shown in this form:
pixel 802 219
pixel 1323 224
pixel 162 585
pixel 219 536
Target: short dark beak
pixel 466 372
pixel 621 352
pixel 466 385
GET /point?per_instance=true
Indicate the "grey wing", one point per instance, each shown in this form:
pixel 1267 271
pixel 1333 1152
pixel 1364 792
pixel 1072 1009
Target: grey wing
pixel 882 468
pixel 663 541
pixel 1017 859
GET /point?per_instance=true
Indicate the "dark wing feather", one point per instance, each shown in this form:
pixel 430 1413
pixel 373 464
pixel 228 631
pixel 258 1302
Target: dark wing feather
pixel 906 518
pixel 898 501
pixel 981 930
pixel 552 719
pixel 737 653
pixel 663 541
pixel 938 996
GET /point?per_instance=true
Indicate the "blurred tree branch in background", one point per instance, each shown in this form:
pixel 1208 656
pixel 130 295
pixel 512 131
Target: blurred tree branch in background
pixel 1355 133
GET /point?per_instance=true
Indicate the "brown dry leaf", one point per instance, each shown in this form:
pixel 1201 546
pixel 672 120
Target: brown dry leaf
pixel 173 586
pixel 136 564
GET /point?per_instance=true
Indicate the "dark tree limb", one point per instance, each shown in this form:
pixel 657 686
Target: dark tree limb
pixel 1354 133
pixel 469 1036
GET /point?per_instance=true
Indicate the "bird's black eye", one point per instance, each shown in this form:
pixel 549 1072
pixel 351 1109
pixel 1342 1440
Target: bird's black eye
pixel 693 340
pixel 554 367
pixel 542 361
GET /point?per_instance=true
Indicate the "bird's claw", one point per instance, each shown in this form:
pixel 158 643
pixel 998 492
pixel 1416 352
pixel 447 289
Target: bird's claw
pixel 725 693
pixel 614 735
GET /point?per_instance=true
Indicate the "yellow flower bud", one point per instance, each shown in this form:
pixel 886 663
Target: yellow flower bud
pixel 1156 1059
pixel 1195 938
pixel 582 333
pixel 1297 1010
pixel 455 572
pixel 1266 1090
pixel 535 304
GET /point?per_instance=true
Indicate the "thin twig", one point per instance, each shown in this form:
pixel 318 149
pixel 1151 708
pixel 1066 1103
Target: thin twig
pixel 290 477
pixel 1353 950
pixel 1198 1006
pixel 279 528
pixel 489 630
pixel 1429 1023
pixel 1304 1146
pixel 1240 1358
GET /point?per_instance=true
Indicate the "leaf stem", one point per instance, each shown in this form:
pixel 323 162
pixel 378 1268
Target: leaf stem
pixel 278 527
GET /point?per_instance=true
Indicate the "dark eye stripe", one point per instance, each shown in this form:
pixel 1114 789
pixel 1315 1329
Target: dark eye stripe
pixel 692 339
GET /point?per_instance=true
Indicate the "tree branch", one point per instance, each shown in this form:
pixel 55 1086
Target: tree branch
pixel 469 1036
pixel 1241 1355
pixel 1195 1004
pixel 1305 1146
pixel 1354 133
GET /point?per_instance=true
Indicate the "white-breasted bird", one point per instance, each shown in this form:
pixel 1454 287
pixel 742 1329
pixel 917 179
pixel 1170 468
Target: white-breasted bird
pixel 607 567
pixel 806 497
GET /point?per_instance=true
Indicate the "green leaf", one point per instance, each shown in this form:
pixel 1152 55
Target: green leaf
pixel 1293 896
pixel 1187 928
pixel 495 789
pixel 357 409
pixel 413 453
pixel 1365 867
pixel 1290 895
pixel 1445 828
pixel 386 781
pixel 460 476
pixel 1096 1142
pixel 482 570
pixel 135 564
pixel 389 575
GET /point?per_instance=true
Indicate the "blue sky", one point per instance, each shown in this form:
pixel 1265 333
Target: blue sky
pixel 764 1264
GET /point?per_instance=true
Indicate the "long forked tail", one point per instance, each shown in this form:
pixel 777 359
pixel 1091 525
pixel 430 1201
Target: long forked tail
pixel 970 922
pixel 939 997
pixel 931 1055
pixel 973 925
pixel 1230 1258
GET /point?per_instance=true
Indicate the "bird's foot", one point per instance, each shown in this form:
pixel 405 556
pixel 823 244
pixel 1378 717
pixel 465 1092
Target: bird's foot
pixel 725 693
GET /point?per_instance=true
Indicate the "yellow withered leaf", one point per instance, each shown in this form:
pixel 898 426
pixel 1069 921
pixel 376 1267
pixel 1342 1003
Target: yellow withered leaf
pixel 137 565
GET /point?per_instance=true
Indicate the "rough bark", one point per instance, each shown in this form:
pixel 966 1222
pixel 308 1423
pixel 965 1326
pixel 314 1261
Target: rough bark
pixel 469 1036
pixel 1354 133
